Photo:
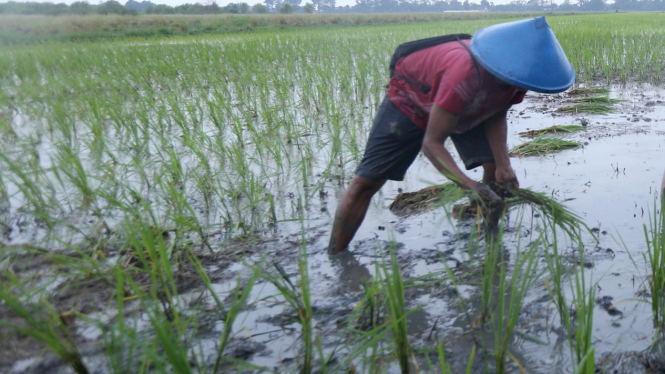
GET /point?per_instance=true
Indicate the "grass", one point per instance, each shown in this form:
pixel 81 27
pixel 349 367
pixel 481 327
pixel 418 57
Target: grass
pixel 553 130
pixel 543 145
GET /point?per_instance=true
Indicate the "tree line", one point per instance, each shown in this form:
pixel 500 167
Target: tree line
pixel 132 7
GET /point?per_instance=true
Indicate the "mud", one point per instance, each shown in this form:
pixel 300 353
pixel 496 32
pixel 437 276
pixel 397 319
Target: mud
pixel 612 183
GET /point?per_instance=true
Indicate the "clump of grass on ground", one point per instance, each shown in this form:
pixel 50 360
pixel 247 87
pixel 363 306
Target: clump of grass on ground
pixel 589 91
pixel 552 130
pixel 543 145
pixel 594 99
pixel 593 108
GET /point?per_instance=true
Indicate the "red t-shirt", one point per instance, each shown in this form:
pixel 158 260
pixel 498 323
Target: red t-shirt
pixel 456 86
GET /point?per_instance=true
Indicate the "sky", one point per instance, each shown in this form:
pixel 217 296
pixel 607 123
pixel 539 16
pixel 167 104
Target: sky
pixel 220 2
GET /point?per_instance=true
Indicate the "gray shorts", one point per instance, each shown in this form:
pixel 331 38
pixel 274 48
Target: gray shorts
pixel 395 141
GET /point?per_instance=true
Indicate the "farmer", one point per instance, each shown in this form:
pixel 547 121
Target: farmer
pixel 462 90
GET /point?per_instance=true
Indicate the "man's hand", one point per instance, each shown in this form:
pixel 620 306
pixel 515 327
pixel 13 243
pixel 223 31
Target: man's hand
pixel 486 192
pixel 506 176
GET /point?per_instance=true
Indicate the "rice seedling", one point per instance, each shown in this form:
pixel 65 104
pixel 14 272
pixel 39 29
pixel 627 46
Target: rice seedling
pixel 592 108
pixel 553 130
pixel 655 258
pixel 444 367
pixel 576 315
pixel 547 207
pixel 583 302
pixel 543 145
pixel 509 307
pixel 41 321
pixel 298 298
pixel 393 289
pixel 240 296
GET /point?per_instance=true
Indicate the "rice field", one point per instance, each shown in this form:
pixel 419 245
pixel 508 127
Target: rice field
pixel 160 197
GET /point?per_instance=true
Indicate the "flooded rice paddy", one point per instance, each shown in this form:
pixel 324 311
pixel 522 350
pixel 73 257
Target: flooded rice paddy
pixel 142 236
pixel 611 182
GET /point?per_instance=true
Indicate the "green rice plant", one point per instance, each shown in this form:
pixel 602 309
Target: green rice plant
pixel 594 99
pixel 510 307
pixel 367 328
pixel 655 257
pixel 29 184
pixel 552 211
pixel 120 341
pixel 240 296
pixel 557 274
pixel 299 298
pixel 72 168
pixel 444 367
pixel 42 321
pixel 583 302
pixel 576 315
pixel 543 145
pixel 552 130
pixel 493 261
pixel 593 108
pixel 393 289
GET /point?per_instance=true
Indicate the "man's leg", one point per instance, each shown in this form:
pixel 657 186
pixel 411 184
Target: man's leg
pixel 489 172
pixel 351 211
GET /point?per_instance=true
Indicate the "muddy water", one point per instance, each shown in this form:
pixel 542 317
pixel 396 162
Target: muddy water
pixel 611 182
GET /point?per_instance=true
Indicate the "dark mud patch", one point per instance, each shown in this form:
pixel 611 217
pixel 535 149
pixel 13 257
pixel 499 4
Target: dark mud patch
pixel 649 361
pixel 605 302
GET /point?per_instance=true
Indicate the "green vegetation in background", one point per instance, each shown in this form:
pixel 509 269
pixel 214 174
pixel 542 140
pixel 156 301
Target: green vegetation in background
pixel 35 28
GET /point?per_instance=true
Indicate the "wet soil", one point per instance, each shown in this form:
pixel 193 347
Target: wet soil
pixel 611 183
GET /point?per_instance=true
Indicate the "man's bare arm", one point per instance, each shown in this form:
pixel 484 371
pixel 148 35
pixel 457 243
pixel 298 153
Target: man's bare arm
pixel 496 130
pixel 440 126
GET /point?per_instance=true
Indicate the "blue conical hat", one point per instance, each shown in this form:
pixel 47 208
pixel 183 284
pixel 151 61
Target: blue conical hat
pixel 525 54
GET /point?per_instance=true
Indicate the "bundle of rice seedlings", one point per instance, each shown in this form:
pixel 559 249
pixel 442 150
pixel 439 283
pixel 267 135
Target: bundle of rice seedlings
pixel 593 108
pixel 542 145
pixel 408 202
pixel 552 130
pixel 548 208
pixel 589 91
pixel 594 99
